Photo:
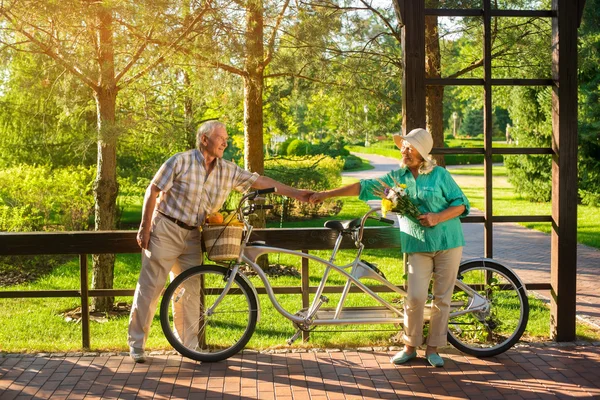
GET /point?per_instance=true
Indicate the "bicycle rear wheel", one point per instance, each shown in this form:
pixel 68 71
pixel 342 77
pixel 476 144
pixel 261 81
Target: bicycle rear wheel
pixel 196 332
pixel 496 329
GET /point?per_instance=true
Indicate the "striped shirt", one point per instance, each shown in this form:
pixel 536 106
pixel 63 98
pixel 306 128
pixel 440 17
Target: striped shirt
pixel 189 194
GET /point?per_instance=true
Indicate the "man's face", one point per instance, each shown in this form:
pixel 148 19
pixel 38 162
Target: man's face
pixel 216 144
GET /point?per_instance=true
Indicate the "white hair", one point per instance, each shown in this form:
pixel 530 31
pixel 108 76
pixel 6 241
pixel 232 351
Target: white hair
pixel 425 167
pixel 207 129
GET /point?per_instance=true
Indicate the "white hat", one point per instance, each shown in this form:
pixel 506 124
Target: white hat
pixel 419 139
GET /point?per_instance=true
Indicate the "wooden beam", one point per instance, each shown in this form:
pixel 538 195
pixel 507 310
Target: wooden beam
pixel 563 272
pixel 488 113
pixel 580 7
pixel 413 73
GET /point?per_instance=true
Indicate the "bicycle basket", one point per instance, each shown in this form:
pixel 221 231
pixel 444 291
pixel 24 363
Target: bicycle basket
pixel 222 242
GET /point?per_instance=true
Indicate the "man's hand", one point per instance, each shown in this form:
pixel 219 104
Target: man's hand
pixel 317 197
pixel 304 195
pixel 143 237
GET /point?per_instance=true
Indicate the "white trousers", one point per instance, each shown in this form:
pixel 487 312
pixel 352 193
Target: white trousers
pixel 171 250
pixel 443 265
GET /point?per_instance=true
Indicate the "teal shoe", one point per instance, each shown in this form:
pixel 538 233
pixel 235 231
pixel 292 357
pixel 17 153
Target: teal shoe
pixel 402 357
pixel 435 360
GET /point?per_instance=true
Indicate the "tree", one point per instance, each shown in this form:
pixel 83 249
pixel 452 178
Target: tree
pixel 589 104
pixel 119 39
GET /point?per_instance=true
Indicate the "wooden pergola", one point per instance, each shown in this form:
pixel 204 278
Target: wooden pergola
pixel 566 17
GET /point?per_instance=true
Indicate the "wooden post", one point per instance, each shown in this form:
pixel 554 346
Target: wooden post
pixel 85 307
pixel 304 287
pixel 413 55
pixel 487 127
pixel 563 273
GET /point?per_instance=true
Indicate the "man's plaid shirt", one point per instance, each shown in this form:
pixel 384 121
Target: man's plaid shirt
pixel 189 195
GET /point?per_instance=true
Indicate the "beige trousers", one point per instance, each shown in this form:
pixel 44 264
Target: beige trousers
pixel 443 265
pixel 171 250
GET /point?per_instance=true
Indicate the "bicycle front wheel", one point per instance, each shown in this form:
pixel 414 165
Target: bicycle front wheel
pixel 497 327
pixel 197 331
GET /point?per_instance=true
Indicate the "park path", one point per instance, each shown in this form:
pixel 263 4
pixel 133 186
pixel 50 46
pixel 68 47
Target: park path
pixel 525 250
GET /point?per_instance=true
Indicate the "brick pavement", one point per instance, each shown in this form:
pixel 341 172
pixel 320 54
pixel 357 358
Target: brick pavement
pixel 525 372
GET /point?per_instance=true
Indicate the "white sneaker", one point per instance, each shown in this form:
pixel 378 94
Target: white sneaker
pixel 138 355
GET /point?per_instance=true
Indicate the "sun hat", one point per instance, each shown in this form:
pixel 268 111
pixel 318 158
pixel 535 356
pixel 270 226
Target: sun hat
pixel 419 139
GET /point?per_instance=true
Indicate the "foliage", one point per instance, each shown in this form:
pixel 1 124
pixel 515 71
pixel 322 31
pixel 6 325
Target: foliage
pixel 46 117
pixel 472 124
pixel 40 198
pixel 589 104
pixel 352 162
pixel 298 147
pixel 312 173
pixel 331 146
pixel 531 112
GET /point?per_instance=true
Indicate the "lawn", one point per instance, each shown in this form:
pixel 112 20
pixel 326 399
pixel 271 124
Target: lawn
pixel 507 202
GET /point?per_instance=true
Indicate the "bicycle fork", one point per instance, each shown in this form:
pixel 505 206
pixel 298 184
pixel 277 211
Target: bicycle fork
pixel 232 274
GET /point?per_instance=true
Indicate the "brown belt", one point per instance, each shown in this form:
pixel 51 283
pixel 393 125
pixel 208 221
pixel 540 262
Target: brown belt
pixel 178 222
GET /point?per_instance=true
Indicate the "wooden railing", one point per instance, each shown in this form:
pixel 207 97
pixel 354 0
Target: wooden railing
pixel 123 242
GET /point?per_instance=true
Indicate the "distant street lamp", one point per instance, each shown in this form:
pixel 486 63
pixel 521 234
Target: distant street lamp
pixel 455 119
pixel 366 109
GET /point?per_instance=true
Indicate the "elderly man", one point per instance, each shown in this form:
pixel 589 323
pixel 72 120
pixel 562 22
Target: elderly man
pixel 191 185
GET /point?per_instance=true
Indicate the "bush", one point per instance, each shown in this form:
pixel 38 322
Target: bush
pixel 311 173
pixel 298 147
pixel 352 162
pixel 40 198
pixel 333 147
pixel 531 176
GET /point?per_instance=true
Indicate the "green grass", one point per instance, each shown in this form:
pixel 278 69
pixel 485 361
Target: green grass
pixel 507 202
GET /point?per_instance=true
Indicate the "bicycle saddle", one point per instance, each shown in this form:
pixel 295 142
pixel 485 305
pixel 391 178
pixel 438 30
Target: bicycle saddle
pixel 342 226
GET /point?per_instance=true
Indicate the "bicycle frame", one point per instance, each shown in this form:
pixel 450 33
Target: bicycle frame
pixel 249 253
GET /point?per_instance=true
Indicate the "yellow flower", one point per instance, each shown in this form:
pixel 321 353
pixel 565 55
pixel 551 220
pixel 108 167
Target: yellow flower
pixel 386 205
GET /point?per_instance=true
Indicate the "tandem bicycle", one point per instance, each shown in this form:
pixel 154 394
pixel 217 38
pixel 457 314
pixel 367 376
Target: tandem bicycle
pixel 209 312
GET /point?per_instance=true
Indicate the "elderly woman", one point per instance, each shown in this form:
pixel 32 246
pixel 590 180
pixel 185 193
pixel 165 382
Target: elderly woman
pixel 433 241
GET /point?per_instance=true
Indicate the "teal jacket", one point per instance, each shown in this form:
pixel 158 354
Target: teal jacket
pixel 432 192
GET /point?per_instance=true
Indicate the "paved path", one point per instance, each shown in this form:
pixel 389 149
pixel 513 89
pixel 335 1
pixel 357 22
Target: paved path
pixel 526 251
pixel 529 372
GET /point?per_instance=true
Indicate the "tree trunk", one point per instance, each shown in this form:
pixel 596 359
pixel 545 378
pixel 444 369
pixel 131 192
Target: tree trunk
pixel 253 88
pixel 188 113
pixel 105 185
pixel 434 95
pixel 254 159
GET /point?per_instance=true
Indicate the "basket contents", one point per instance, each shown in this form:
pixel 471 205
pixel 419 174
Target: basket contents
pixel 222 237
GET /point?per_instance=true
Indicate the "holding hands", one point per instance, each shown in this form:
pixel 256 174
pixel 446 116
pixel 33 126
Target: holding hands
pixel 318 197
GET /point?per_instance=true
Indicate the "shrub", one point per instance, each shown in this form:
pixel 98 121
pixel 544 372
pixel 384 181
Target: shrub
pixel 333 147
pixel 352 162
pixel 298 147
pixel 312 173
pixel 41 198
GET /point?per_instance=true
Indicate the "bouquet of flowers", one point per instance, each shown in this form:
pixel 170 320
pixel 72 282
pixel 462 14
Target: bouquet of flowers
pixel 395 199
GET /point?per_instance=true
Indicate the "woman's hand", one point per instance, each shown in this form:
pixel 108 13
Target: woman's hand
pixel 318 197
pixel 429 219
pixel 304 195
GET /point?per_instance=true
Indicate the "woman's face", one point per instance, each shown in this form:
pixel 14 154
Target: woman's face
pixel 410 155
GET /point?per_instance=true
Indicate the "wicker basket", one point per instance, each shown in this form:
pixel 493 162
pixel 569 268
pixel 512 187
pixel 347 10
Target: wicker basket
pixel 222 242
